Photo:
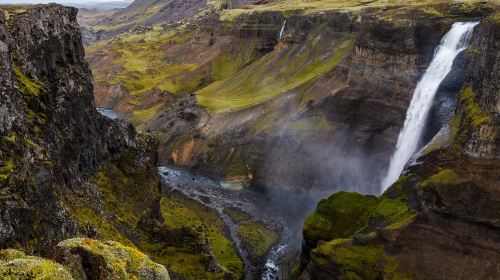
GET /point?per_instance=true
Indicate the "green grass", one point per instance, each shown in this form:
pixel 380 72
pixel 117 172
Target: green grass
pixel 144 65
pixel 141 117
pixel 126 191
pixel 257 237
pixel 275 73
pixel 11 138
pixel 346 214
pixel 289 6
pixel 358 261
pixel 232 59
pixel 443 177
pixel 179 213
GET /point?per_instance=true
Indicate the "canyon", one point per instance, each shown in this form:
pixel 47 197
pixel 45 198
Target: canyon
pixel 248 140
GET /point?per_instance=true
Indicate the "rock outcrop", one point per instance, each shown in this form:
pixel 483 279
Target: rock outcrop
pixel 82 259
pixel 64 168
pixel 52 137
pixel 92 259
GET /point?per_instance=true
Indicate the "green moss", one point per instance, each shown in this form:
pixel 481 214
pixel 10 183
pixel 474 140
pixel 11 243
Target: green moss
pixel 7 169
pixel 237 215
pixel 257 237
pixel 27 86
pixel 360 262
pixel 471 108
pixel 469 116
pixel 182 213
pixel 127 191
pixel 11 138
pixel 346 214
pixel 121 262
pixel 17 265
pixel 443 177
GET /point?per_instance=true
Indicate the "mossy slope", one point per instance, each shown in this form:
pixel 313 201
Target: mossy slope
pixel 118 261
pixel 17 265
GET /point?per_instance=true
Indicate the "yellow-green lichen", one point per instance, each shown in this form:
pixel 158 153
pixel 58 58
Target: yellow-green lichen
pixel 471 108
pixel 121 262
pixel 15 265
pixel 11 138
pixel 27 87
pixel 469 116
pixel 7 169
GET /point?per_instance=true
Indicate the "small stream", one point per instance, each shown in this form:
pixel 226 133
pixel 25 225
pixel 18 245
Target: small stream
pixel 223 194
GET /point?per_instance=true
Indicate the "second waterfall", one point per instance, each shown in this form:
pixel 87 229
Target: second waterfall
pixel 454 42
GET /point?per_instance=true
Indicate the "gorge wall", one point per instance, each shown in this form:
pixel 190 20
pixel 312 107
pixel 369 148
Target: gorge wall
pixel 440 209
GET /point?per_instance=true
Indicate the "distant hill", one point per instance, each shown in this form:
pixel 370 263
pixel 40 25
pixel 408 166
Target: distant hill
pixel 97 5
pixel 111 5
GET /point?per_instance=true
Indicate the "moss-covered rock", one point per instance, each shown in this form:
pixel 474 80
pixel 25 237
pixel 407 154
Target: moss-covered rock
pixel 257 237
pixel 346 214
pixel 205 248
pixel 17 265
pixel 357 262
pixel 110 260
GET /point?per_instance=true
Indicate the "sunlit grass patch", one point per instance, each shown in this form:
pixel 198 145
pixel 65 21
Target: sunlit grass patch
pixel 273 74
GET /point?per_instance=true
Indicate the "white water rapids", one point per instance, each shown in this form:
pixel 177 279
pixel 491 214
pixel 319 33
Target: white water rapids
pixel 454 42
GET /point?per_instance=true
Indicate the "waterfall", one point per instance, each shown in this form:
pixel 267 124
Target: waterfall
pixel 454 42
pixel 282 29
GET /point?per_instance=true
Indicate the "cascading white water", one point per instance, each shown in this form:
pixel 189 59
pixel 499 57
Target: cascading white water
pixel 282 30
pixel 454 42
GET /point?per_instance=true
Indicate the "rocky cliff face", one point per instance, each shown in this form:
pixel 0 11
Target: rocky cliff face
pixel 440 209
pixel 56 151
pixel 51 134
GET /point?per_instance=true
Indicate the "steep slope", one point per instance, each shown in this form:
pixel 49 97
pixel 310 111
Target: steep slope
pixel 51 134
pixel 444 207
